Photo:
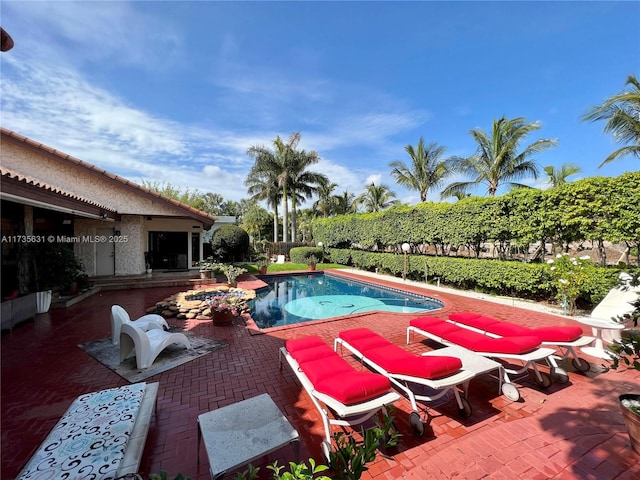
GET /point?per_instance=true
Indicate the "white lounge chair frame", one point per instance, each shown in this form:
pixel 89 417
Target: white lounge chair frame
pixel 508 388
pixel 442 386
pixel 349 415
pixel 119 316
pixel 147 345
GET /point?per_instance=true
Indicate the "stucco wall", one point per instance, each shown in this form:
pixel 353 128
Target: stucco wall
pixel 97 188
pixel 139 214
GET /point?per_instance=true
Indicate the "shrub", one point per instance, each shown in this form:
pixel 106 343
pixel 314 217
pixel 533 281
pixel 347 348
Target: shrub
pixel 302 254
pixel 230 243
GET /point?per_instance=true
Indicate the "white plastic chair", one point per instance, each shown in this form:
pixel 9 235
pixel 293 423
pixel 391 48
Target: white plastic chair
pixel 281 259
pixel 147 345
pixel 119 317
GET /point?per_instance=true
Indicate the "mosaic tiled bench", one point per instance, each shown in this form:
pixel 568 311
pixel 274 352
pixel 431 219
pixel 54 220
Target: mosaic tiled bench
pixel 101 436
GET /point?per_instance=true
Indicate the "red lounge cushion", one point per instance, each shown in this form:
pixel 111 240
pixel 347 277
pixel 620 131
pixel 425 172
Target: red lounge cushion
pixel 481 343
pixel 567 333
pixel 363 339
pixel 478 321
pixel 325 368
pixel 440 329
pixel 314 353
pixel 354 386
pixel 302 343
pixel 508 329
pixel 396 360
pixel 463 317
pixel 424 322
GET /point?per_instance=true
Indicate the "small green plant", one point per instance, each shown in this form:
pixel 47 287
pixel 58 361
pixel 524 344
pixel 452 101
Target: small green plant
pixel 209 265
pixel 349 459
pixel 232 272
pixel 347 462
pixel 164 476
pixel 297 471
pixel 312 260
pixel 570 275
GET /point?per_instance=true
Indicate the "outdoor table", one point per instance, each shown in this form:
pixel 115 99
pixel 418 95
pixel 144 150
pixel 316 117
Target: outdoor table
pixel 239 433
pixel 598 325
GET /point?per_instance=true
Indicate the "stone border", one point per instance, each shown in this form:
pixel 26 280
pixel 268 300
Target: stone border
pixel 177 305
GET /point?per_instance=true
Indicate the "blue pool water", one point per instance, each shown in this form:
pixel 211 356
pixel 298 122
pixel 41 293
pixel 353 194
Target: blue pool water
pixel 297 298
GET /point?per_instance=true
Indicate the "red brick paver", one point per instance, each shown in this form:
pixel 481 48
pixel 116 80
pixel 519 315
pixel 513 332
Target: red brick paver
pixel 571 431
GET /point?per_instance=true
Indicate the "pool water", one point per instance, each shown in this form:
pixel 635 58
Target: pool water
pixel 297 298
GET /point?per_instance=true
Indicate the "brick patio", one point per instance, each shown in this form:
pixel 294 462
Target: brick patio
pixel 571 431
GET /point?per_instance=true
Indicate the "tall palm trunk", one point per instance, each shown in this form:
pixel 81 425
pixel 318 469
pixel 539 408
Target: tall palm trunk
pixel 275 222
pixel 294 218
pixel 285 216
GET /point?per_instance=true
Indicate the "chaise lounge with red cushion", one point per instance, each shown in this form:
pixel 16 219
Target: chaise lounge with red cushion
pixel 566 337
pixel 353 396
pixel 526 349
pixel 443 374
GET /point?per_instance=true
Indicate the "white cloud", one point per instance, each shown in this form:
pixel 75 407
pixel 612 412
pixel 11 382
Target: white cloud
pixel 375 179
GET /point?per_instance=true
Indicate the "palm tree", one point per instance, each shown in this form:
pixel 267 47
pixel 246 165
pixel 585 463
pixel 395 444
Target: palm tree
pixel 377 198
pixel 302 183
pixel 326 200
pixel 286 167
pixel 556 177
pixel 272 164
pixel 262 184
pixel 622 112
pixel 345 203
pixel 427 170
pixel 497 160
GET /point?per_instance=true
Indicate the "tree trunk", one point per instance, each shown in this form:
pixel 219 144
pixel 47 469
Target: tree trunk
pixel 285 216
pixel 275 222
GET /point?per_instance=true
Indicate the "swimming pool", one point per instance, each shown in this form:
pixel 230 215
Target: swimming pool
pixel 297 298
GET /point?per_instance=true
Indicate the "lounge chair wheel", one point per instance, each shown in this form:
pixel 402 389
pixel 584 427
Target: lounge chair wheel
pixel 466 409
pixel 581 364
pixel 544 381
pixel 559 375
pixel 510 391
pixel 417 425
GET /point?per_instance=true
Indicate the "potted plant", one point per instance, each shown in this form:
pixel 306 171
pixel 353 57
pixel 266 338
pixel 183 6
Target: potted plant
pixel 56 268
pixel 225 306
pixel 208 268
pixel 312 260
pixel 263 265
pixel 232 272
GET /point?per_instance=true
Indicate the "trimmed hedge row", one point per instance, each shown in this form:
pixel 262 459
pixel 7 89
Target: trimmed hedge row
pixel 518 279
pixel 301 254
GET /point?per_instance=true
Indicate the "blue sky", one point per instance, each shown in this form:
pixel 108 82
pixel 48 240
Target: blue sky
pixel 177 91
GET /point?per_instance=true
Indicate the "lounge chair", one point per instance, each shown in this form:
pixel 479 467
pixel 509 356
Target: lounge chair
pixel 148 345
pixel 119 317
pixel 353 396
pixel 442 374
pixel 617 303
pixel 526 349
pixel 566 337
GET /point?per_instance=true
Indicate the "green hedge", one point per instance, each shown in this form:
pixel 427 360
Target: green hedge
pixel 596 209
pixel 516 279
pixel 301 254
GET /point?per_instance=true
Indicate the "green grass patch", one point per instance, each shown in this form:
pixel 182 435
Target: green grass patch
pixel 289 267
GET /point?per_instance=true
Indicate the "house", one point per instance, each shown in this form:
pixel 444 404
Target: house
pixel 114 226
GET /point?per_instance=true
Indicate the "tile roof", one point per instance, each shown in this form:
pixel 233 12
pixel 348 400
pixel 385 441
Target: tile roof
pixel 18 139
pixel 8 173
